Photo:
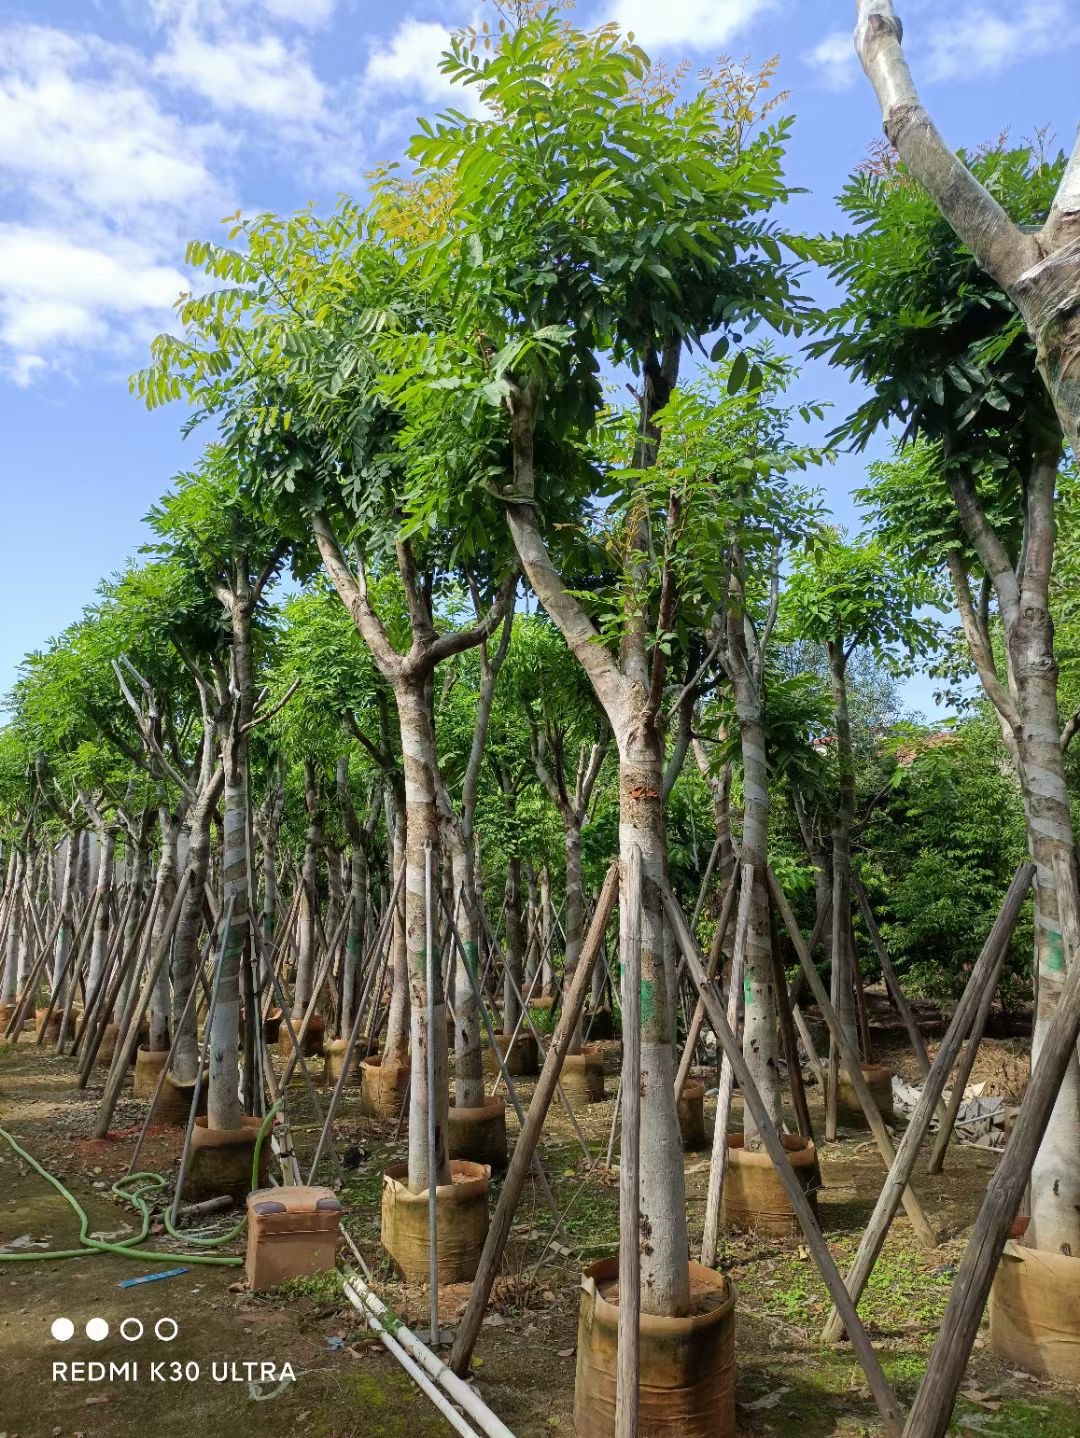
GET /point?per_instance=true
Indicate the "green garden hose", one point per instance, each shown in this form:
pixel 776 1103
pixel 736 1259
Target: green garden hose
pixel 143 1184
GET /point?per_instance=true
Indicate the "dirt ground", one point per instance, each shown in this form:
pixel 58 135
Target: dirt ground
pixel 343 1385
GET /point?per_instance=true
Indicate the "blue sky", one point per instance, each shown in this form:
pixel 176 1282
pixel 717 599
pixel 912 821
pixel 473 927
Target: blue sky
pixel 129 126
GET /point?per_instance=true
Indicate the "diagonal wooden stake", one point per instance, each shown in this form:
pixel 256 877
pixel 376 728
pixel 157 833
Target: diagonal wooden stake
pixel 860 1341
pixel 873 1239
pixel 912 1207
pixel 529 1137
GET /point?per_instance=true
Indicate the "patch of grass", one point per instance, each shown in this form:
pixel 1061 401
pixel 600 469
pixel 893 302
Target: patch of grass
pixel 1049 1418
pixel 321 1287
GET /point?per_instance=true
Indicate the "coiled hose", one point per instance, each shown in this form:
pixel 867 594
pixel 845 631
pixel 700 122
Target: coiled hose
pixel 135 1189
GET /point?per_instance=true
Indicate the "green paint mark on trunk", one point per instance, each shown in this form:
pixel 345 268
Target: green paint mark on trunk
pixel 472 954
pixel 1055 952
pixel 648 1002
pixel 747 991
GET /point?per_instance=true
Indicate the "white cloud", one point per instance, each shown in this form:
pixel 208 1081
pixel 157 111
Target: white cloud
pixel 696 24
pixel 263 74
pixel 60 292
pixel 834 60
pixel 410 61
pixel 71 118
pixel 308 14
pixel 986 40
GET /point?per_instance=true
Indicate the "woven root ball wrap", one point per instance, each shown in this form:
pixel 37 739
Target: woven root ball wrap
pixel 462 1223
pixel 691 1108
pixel 221 1161
pixel 522 1061
pixel 1035 1312
pixel 335 1059
pixel 754 1198
pixel 313 1039
pixel 479 1134
pixel 54 1027
pixel 174 1101
pixel 582 1076
pixel 849 1109
pixel 686 1365
pixel 384 1086
pixel 148 1066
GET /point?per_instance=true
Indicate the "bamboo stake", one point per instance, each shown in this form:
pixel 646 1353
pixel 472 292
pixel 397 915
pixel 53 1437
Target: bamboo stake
pixel 873 1239
pixel 864 1349
pixel 914 1209
pixel 521 1161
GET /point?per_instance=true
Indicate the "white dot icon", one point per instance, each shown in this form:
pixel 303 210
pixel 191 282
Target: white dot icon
pixel 97 1329
pixel 63 1329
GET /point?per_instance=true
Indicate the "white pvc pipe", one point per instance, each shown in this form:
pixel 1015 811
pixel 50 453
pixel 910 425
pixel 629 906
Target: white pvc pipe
pixel 449 1412
pixel 365 1301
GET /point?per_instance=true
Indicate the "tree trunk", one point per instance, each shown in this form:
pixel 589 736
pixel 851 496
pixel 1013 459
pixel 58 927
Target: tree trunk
pixel 421 831
pixel 468 1055
pixel 665 1284
pixel 99 945
pixel 513 948
pixel 760 1032
pixel 186 938
pixel 575 920
pixel 398 1021
pixel 1055 1175
pixel 67 917
pixel 160 1016
pixel 842 956
pixel 309 895
pixel 224 1109
pixel 547 939
pixel 14 931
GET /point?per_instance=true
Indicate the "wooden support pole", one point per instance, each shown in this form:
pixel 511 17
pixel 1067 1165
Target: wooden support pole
pixel 932 1409
pixel 860 1341
pixel 963 1070
pixel 913 1208
pixel 626 1377
pixel 521 1162
pixel 693 1033
pixel 873 1239
pixel 809 1045
pixel 787 1034
pixel 718 1157
pixel 136 1007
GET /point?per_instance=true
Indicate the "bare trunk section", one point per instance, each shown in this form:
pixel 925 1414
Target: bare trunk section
pixel 1055 1174
pixel 547 938
pixel 513 947
pixel 398 1021
pixel 843 958
pixel 415 715
pixel 166 881
pixel 761 1047
pixel 468 1054
pixel 575 922
pixel 186 938
pixel 664 1241
pixel 99 945
pixel 66 930
pixel 309 895
pixel 14 931
pixel 224 1109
